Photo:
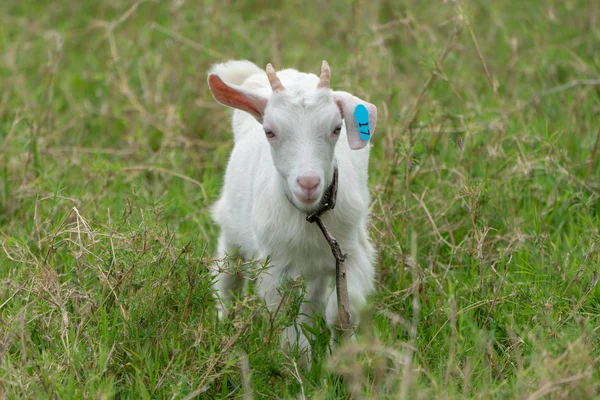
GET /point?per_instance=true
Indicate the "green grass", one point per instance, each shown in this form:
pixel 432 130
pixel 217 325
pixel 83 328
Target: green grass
pixel 485 178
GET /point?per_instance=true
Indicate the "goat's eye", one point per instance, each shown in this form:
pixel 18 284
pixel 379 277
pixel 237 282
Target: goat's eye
pixel 269 134
pixel 337 130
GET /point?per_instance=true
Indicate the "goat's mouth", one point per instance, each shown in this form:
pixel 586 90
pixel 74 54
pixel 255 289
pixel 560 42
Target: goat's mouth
pixel 308 200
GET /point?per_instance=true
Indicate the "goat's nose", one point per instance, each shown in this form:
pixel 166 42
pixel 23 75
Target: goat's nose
pixel 308 183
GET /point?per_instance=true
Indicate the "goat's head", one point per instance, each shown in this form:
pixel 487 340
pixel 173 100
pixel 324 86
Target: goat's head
pixel 302 127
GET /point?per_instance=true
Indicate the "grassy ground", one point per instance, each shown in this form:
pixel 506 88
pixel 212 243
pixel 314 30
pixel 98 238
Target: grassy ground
pixel 485 177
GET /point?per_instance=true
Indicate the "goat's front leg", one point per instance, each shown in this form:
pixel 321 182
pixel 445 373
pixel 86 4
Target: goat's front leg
pixel 360 277
pixel 270 286
pixel 228 283
pixel 313 304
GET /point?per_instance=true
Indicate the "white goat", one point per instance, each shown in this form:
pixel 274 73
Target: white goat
pixel 288 139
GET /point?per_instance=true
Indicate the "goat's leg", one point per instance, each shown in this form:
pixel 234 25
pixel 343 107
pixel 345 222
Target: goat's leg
pixel 267 285
pixel 228 283
pixel 314 299
pixel 313 304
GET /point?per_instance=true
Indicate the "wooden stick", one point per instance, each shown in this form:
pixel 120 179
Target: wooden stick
pixel 341 281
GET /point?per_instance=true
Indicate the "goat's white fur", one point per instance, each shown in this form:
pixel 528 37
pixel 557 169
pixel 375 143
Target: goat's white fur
pixel 258 221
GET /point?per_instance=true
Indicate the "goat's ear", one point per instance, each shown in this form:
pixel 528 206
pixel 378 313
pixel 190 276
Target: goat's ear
pixel 359 116
pixel 237 97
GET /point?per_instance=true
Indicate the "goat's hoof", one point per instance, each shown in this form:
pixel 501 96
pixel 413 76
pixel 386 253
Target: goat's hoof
pixel 222 312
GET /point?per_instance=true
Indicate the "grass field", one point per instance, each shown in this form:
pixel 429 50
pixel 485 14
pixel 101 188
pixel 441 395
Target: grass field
pixel 485 179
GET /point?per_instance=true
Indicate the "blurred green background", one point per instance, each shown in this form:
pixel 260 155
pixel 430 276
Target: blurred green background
pixel 484 176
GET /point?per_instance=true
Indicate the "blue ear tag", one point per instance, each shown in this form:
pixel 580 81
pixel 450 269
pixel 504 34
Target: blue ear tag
pixel 361 115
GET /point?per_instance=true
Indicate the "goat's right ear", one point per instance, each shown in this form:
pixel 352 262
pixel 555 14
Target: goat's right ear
pixel 237 97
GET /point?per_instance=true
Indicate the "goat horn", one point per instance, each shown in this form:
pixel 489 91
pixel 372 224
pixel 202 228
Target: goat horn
pixel 325 76
pixel 274 79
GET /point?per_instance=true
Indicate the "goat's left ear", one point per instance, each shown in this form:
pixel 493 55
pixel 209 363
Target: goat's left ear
pixel 359 116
